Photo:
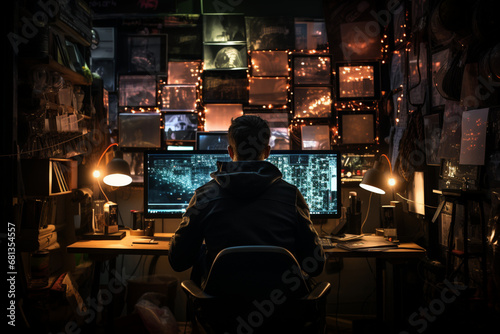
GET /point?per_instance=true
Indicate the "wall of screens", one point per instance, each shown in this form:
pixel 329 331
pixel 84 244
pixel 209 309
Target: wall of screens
pixel 280 69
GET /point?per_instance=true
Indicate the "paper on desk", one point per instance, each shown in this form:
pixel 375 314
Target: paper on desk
pixel 473 143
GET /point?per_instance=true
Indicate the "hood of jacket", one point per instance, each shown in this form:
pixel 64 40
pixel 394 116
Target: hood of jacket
pixel 246 178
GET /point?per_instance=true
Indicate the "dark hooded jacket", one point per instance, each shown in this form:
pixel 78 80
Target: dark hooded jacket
pixel 246 203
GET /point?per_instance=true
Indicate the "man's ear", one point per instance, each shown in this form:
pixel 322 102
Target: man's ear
pixel 230 151
pixel 267 152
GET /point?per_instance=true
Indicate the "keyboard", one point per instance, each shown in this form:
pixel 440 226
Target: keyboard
pixel 327 243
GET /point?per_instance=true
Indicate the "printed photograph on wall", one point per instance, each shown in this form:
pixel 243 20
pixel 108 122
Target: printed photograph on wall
pixel 178 97
pixel 315 137
pixel 357 128
pixel 310 35
pixel 312 70
pixel 223 28
pixel 139 130
pixel 225 86
pixel 147 53
pixel 225 56
pixel 137 90
pixel 218 116
pixel 357 81
pixel 270 33
pixel 180 126
pixel 183 72
pixel 312 102
pixel 269 63
pixel 268 91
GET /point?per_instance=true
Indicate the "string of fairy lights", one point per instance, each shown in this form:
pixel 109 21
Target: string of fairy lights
pixel 296 120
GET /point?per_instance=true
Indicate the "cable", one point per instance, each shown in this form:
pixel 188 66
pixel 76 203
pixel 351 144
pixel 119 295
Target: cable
pixel 367 212
pixel 409 200
pixel 41 149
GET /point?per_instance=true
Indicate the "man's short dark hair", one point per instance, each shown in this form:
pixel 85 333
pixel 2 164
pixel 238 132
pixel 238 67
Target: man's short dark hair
pixel 249 135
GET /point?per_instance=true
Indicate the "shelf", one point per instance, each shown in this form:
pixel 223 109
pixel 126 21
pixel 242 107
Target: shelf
pixel 49 177
pixel 66 73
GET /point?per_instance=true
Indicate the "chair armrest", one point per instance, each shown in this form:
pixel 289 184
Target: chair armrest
pixel 191 288
pixel 320 290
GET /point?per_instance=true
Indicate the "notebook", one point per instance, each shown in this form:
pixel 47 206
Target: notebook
pixel 370 244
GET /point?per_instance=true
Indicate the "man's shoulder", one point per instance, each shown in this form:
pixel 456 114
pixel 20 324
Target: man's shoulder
pixel 207 192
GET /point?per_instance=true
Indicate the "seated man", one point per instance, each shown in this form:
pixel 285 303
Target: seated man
pixel 246 203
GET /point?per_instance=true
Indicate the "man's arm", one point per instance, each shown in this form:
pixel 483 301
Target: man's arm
pixel 309 251
pixel 188 238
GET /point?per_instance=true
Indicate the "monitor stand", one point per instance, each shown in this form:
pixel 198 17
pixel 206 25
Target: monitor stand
pixel 319 221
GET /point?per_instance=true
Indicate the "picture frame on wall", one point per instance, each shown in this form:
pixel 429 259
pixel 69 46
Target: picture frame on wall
pixel 312 70
pixel 183 72
pixel 139 130
pixel 357 127
pixel 225 86
pixel 269 63
pixel 147 53
pixel 218 116
pixel 178 97
pixel 185 42
pixel 180 126
pixel 315 137
pixel 270 33
pixel 310 35
pixel 224 28
pixel 312 102
pixel 137 90
pixel 225 56
pixel 357 81
pixel 268 91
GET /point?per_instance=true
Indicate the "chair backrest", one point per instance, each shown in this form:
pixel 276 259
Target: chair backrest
pixel 253 272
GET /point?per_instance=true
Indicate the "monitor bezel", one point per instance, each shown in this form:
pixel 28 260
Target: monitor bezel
pixel 313 216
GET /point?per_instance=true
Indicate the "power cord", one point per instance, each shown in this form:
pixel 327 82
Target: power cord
pixel 367 212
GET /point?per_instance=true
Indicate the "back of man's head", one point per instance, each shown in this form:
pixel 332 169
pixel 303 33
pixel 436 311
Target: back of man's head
pixel 248 136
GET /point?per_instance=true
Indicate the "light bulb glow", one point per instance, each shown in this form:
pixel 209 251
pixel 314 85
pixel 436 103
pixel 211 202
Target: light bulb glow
pixel 392 181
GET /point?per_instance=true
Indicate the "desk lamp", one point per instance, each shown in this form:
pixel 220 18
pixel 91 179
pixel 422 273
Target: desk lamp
pixel 117 170
pixel 375 179
pixel 117 174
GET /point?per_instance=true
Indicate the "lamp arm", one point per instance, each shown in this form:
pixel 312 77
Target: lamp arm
pixel 98 163
pixel 389 161
pixel 103 153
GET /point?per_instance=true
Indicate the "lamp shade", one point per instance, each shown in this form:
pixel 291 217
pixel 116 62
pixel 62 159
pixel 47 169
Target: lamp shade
pixel 374 179
pixel 117 172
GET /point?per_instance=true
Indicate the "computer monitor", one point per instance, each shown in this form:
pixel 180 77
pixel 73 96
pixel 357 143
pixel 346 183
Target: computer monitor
pixel 212 141
pixel 170 179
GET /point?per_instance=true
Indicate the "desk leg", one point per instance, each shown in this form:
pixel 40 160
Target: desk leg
pixel 380 284
pixel 94 290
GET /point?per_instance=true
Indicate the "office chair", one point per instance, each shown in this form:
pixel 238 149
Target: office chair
pixel 257 289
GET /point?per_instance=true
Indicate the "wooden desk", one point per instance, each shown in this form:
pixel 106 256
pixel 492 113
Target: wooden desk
pixel 107 250
pixel 397 257
pixel 124 246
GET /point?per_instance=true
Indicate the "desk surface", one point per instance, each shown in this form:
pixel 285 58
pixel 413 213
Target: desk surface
pixel 404 250
pixel 117 247
pixel 127 246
